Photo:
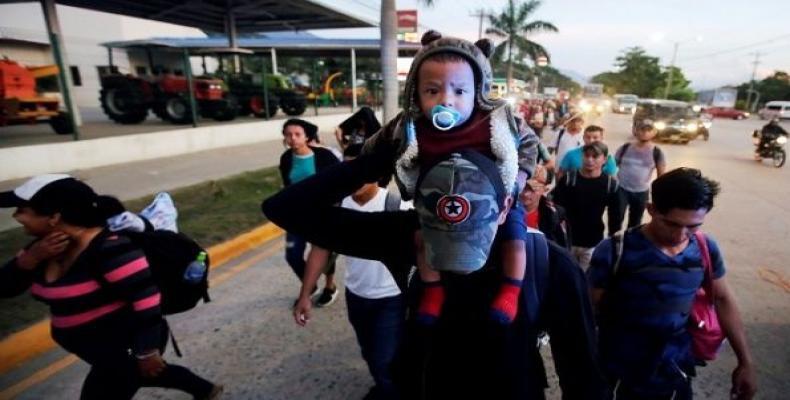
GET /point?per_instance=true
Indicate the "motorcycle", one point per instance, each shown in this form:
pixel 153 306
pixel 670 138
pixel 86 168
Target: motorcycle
pixel 774 149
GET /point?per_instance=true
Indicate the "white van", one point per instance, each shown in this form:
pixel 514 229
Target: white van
pixel 773 109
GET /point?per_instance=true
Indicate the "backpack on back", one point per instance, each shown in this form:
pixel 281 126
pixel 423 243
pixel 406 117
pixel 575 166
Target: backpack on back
pixel 169 254
pixel 618 158
pixel 611 183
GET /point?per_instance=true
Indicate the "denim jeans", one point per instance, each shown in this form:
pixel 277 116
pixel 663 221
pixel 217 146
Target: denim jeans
pixel 378 324
pixel 636 202
pixel 295 246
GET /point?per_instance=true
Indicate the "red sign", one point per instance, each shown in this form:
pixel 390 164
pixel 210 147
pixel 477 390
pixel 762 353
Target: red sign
pixel 407 21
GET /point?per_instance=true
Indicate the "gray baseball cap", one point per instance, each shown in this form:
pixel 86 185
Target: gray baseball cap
pixel 458 202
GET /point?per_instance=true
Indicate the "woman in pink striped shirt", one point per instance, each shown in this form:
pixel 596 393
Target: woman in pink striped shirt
pixel 104 304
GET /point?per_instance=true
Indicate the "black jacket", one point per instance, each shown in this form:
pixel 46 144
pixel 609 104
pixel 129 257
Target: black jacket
pixel 465 355
pixel 323 159
pixel 553 223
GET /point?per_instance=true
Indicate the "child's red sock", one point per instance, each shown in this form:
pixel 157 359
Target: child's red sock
pixel 505 305
pixel 431 302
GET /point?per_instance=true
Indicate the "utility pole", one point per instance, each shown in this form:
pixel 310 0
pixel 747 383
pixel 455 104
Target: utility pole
pixel 671 71
pixel 756 62
pixel 480 14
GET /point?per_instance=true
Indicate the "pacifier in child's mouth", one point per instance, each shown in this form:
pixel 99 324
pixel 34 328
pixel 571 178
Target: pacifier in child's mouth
pixel 444 118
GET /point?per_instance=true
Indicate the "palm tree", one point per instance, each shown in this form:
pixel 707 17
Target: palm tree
pixel 389 56
pixel 513 25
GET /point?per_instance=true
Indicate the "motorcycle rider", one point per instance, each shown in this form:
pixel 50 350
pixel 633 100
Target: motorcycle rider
pixel 768 134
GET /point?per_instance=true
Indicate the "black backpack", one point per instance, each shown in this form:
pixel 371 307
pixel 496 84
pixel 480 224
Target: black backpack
pixel 168 254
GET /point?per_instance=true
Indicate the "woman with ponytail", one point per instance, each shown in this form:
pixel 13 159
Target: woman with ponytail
pixel 104 304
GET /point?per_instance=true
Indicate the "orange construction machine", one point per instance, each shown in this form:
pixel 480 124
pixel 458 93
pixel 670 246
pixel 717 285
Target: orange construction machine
pixel 20 103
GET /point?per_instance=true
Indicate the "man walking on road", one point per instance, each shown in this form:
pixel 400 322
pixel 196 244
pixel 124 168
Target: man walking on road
pixel 637 160
pixel 643 284
pixel 376 307
pixel 586 194
pixel 567 138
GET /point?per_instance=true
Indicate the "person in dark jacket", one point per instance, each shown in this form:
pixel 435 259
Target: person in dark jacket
pixel 300 161
pixel 357 128
pixel 541 213
pixel 104 304
pixel 464 355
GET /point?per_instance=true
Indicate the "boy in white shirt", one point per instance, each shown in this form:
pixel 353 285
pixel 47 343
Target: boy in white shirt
pixel 376 307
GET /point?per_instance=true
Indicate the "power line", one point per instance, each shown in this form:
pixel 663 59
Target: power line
pixel 736 49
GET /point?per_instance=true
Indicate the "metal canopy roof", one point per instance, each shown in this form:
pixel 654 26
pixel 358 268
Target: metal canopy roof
pixel 285 45
pixel 249 15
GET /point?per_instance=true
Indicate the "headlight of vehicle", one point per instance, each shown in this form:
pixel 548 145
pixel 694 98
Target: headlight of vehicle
pixel 696 108
pixel 692 127
pixel 781 139
pixel 746 115
pixel 707 124
pixel 586 107
pixel 607 103
pixel 660 125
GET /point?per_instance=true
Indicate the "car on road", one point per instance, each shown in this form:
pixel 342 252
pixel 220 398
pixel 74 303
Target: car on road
pixel 726 112
pixel 773 109
pixel 624 103
pixel 675 121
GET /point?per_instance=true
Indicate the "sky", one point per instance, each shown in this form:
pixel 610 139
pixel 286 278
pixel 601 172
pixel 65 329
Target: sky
pixel 592 33
pixel 717 39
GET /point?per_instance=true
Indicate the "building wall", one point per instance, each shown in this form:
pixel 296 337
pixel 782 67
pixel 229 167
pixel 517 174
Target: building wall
pixel 26 54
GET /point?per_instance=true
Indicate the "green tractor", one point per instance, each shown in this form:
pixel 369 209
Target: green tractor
pixel 248 88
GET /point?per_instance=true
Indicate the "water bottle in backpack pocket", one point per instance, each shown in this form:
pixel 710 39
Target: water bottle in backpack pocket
pixel 196 270
pixel 179 266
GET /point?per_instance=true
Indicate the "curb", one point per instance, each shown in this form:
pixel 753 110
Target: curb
pixel 34 340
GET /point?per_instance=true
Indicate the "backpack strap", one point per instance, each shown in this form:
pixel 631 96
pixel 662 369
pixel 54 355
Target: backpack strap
pixel 656 155
pixel 707 264
pixel 617 251
pixel 618 157
pixel 570 178
pixel 559 139
pixel 392 201
pixel 537 248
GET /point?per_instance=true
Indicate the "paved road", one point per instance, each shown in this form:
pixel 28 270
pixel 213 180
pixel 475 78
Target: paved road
pixel 246 337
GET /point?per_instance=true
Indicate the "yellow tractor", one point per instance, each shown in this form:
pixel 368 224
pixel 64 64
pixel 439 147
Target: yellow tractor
pixel 20 103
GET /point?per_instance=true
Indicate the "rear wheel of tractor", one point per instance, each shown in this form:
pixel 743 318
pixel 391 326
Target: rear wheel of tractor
pixel 177 110
pixel 61 124
pixel 293 107
pixel 122 105
pixel 258 106
pixel 227 109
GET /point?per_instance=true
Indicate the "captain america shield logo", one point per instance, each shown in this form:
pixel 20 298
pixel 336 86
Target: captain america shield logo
pixel 453 208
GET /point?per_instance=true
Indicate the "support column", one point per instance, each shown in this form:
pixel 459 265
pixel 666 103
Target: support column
pixel 274 61
pixel 190 83
pixel 265 88
pixel 353 80
pixel 230 30
pixel 66 87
